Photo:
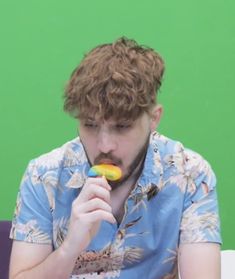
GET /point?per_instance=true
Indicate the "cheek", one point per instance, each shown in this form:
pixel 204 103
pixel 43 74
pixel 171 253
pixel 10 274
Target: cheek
pixel 137 142
pixel 129 147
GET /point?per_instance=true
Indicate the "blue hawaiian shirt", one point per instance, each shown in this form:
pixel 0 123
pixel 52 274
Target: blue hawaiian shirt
pixel 173 202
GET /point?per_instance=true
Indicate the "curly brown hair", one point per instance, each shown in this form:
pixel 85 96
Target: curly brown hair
pixel 117 80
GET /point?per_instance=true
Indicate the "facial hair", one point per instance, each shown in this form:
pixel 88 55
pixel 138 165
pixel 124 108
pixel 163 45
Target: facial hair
pixel 135 167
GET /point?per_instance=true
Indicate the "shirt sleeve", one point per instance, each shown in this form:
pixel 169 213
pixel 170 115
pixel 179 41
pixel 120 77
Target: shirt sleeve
pixel 32 221
pixel 200 220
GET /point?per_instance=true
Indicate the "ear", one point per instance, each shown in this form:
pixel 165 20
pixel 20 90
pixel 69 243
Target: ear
pixel 155 117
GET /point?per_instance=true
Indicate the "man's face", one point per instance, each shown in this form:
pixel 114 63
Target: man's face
pixel 122 143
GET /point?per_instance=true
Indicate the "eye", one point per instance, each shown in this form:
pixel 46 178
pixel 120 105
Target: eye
pixel 123 126
pixel 90 125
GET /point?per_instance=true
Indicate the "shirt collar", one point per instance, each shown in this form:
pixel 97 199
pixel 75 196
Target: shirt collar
pixel 152 171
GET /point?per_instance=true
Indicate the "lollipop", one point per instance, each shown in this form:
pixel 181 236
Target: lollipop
pixel 110 172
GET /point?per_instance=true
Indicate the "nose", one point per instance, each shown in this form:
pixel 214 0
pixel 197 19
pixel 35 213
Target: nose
pixel 106 141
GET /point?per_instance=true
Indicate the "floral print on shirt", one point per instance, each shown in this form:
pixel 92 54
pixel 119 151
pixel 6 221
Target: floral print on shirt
pixel 173 202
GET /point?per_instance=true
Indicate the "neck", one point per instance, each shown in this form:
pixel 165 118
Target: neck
pixel 121 191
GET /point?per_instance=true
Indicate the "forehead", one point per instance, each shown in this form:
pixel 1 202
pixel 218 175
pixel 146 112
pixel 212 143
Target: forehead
pixel 106 112
pixel 115 115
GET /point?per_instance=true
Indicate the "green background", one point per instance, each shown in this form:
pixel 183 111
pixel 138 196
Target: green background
pixel 42 41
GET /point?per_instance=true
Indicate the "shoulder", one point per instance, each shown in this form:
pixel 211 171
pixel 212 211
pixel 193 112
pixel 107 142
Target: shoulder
pixel 185 161
pixel 68 155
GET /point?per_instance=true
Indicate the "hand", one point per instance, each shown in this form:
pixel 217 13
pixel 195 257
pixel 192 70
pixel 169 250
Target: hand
pixel 88 210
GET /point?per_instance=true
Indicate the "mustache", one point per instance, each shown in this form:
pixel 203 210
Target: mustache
pixel 103 157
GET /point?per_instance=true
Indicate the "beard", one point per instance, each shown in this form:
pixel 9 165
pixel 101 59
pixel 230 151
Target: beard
pixel 133 170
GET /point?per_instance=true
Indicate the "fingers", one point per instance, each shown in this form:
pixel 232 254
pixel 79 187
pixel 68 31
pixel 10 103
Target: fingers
pixel 99 215
pixel 93 210
pixel 101 181
pixel 95 191
pixel 94 204
pixel 95 187
pixel 89 209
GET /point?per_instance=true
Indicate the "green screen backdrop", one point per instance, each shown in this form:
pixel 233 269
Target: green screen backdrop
pixel 41 42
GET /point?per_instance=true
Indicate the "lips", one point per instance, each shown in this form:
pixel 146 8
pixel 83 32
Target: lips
pixel 107 159
pixel 107 162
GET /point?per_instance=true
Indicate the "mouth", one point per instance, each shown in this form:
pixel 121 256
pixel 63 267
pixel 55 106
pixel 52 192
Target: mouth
pixel 107 162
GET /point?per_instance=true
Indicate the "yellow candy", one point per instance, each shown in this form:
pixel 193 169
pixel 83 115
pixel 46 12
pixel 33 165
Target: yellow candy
pixel 111 172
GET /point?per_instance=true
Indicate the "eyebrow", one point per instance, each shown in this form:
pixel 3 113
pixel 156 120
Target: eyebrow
pixel 112 121
pixel 87 119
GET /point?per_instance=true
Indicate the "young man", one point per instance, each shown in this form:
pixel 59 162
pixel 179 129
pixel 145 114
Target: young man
pixel 162 212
